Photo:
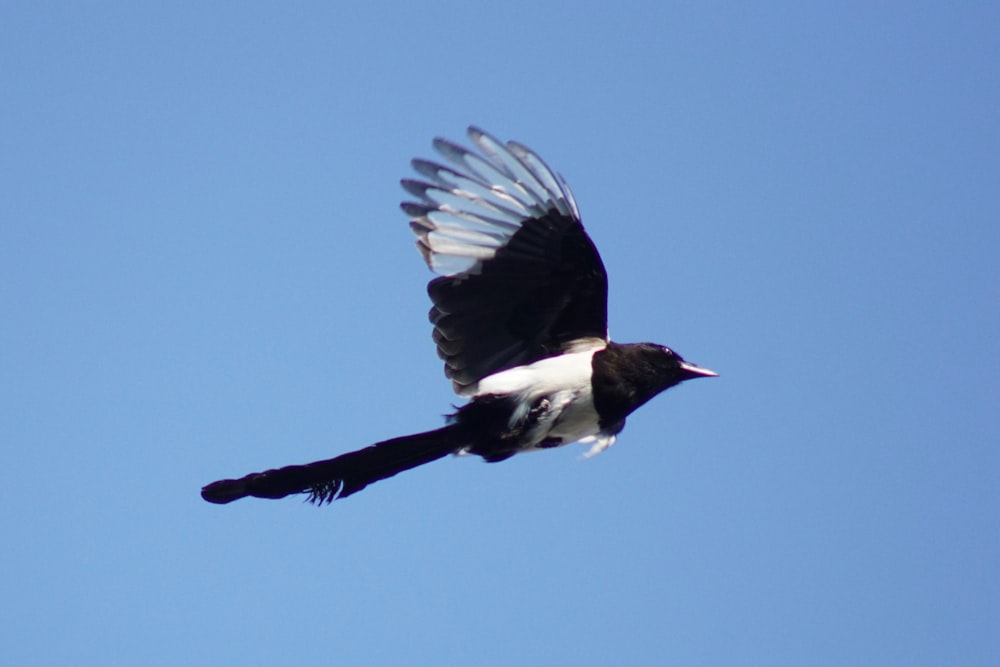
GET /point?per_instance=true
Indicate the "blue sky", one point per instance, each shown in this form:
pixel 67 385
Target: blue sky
pixel 204 272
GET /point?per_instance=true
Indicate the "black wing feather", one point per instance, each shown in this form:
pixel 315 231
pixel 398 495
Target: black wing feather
pixel 522 280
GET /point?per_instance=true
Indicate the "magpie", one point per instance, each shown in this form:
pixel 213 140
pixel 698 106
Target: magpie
pixel 520 321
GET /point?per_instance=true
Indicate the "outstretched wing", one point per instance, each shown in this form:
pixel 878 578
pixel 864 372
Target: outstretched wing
pixel 520 278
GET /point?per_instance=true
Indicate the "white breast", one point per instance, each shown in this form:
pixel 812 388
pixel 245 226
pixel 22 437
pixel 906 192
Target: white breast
pixel 565 382
pixel 544 377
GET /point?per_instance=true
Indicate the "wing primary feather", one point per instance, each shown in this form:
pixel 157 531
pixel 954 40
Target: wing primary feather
pixel 570 198
pixel 452 180
pixel 519 279
pixel 541 171
pixel 488 172
pixel 442 197
pixel 508 163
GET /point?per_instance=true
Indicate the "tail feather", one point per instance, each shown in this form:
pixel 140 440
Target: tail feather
pixel 343 475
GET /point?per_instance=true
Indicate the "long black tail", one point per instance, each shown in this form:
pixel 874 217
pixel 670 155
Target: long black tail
pixel 339 477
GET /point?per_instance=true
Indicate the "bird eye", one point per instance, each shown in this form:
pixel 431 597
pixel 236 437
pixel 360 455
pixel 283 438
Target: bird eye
pixel 667 350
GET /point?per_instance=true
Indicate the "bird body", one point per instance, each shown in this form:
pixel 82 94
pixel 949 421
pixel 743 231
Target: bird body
pixel 520 320
pixel 559 392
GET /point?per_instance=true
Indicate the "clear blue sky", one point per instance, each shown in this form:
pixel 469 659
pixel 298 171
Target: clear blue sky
pixel 204 272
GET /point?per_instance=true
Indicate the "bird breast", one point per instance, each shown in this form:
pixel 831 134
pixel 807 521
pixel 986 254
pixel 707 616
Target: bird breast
pixel 561 386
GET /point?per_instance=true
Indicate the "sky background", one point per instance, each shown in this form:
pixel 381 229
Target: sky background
pixel 204 272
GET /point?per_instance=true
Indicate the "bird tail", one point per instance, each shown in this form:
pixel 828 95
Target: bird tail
pixel 339 477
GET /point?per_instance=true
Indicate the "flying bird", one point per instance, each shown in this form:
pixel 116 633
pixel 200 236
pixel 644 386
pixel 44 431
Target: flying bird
pixel 520 321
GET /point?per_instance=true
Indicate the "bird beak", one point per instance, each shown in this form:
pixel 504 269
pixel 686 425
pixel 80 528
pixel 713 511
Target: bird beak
pixel 695 371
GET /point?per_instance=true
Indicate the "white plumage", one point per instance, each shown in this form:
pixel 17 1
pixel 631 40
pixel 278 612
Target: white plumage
pixel 563 384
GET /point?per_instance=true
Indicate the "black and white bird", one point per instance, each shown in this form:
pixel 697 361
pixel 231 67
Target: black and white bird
pixel 520 320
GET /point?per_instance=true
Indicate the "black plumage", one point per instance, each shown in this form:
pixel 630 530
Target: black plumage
pixel 546 288
pixel 520 320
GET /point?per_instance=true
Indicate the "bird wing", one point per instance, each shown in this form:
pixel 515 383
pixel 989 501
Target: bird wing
pixel 520 280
